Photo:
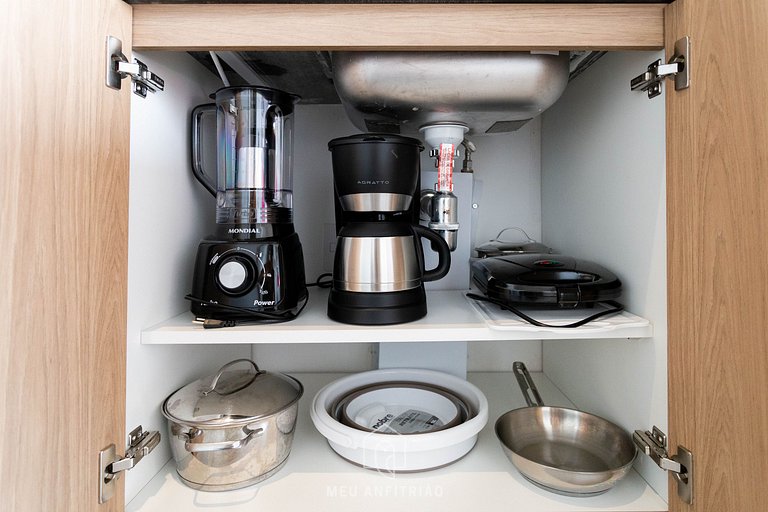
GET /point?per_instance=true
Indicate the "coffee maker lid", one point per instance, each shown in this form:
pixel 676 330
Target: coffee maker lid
pixel 375 138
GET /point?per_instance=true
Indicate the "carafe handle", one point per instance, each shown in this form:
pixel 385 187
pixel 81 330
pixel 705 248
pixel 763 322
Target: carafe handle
pixel 443 253
pixel 197 137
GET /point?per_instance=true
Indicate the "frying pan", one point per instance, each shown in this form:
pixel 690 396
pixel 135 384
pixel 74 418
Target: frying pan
pixel 563 450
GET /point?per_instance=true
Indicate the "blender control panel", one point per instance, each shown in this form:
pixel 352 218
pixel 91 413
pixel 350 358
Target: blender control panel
pixel 248 272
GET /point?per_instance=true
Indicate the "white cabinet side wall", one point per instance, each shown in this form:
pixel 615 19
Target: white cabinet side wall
pixel 506 193
pixel 169 213
pixel 603 199
pixel 507 189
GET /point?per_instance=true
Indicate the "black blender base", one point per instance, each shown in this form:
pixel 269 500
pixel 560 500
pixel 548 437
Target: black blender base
pixel 377 308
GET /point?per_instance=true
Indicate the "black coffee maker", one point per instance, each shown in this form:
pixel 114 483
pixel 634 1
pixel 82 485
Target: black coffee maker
pixel 378 272
pixel 253 269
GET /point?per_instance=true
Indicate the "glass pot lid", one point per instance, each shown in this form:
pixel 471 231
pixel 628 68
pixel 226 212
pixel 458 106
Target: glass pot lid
pixel 231 398
pixel 499 247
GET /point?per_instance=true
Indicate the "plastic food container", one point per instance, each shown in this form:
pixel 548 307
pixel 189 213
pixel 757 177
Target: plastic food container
pixel 391 452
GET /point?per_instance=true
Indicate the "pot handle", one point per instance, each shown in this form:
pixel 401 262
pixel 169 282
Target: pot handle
pixel 443 252
pixel 530 392
pixel 197 137
pixel 224 445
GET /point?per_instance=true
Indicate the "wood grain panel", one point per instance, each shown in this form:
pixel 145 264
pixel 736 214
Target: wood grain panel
pixel 63 202
pixel 718 240
pixel 398 27
pixel 133 2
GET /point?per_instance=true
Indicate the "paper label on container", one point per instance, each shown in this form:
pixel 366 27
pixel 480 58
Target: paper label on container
pixel 409 422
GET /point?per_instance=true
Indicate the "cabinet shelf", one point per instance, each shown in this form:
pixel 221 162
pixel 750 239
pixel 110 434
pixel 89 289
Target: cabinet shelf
pixel 315 478
pixel 451 318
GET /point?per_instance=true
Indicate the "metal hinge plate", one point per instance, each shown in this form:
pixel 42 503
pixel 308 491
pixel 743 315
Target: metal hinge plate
pixel 140 444
pixel 118 67
pixel 678 67
pixel 654 444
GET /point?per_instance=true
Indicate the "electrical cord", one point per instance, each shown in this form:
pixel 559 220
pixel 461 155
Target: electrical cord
pixel 615 308
pixel 322 281
pixel 253 316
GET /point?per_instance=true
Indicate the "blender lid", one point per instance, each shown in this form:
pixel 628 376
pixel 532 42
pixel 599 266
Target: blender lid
pixel 275 95
pixel 375 138
pixel 233 397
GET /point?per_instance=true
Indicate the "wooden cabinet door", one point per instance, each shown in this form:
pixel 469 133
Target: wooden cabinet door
pixel 717 172
pixel 63 252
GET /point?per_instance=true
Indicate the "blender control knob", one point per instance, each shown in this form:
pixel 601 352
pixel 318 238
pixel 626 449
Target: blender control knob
pixel 232 275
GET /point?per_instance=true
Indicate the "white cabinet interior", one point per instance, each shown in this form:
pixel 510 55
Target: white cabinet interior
pixel 593 194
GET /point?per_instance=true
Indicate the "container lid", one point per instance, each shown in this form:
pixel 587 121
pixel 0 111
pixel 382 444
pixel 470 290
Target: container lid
pixel 232 398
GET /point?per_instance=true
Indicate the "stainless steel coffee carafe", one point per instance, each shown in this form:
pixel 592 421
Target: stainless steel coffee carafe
pixel 376 258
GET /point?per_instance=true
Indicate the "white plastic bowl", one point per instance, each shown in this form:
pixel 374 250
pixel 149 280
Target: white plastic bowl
pixel 391 452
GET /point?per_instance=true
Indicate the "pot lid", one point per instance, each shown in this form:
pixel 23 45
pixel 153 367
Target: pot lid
pixel 232 397
pixel 498 247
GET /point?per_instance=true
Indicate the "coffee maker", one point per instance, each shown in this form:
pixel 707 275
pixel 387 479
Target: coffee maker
pixel 253 268
pixel 378 272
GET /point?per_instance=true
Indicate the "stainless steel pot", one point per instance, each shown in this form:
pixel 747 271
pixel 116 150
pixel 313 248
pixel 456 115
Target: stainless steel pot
pixel 499 247
pixel 563 450
pixel 233 429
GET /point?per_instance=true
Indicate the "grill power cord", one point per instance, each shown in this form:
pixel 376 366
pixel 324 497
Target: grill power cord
pixel 261 317
pixel 615 308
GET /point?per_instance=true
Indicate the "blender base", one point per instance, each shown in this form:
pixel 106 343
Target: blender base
pixel 249 280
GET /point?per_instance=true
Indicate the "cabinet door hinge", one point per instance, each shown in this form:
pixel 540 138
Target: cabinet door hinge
pixel 140 444
pixel 118 67
pixel 654 445
pixel 678 67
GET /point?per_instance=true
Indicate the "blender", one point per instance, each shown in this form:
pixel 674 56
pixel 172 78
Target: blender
pixel 253 268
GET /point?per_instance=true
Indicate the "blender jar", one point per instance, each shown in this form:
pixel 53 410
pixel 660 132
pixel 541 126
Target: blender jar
pixel 254 149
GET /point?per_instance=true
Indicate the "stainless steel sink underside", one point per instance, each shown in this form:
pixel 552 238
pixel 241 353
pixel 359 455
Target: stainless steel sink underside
pixel 487 91
pixel 398 91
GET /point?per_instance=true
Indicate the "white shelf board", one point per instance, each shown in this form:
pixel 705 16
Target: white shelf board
pixel 451 317
pixel 315 478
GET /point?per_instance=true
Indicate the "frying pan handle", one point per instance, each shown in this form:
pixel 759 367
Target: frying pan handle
pixel 530 392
